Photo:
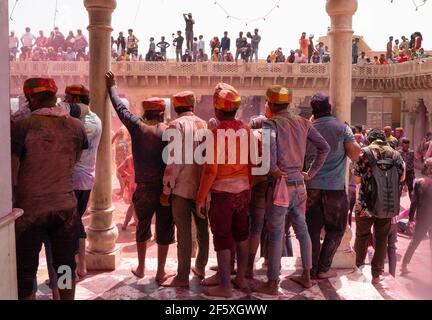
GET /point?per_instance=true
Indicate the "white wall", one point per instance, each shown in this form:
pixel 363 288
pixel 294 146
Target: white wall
pixel 5 162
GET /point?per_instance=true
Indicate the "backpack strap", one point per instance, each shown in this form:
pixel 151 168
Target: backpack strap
pixel 370 156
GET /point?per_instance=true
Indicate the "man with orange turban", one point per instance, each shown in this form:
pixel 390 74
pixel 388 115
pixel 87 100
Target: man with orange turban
pixel 147 150
pixel 229 185
pixel 43 190
pixel 181 181
pixel 289 135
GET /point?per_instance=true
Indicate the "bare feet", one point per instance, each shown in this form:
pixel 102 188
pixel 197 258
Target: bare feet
pixel 328 274
pixel 239 283
pixel 138 272
pixel 404 269
pixel 161 278
pixel 174 282
pixel 200 273
pixel 304 280
pixel 214 280
pixel 216 268
pixel 270 287
pixel 81 270
pixel 218 292
pixel 377 280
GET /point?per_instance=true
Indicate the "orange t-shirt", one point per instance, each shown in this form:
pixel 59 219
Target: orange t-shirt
pixel 225 177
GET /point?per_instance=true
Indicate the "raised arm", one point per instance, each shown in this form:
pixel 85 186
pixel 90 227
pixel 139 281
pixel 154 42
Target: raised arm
pixel 130 120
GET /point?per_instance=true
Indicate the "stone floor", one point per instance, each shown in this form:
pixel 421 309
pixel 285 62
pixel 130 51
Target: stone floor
pixel 349 285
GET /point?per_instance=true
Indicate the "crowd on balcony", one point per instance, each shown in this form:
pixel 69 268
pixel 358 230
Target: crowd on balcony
pixel 55 47
pixel 397 51
pixel 308 52
pixel 189 48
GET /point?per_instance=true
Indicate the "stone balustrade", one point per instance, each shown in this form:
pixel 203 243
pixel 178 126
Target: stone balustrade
pixel 409 75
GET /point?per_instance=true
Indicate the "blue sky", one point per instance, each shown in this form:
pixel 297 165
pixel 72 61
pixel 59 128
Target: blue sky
pixel 375 19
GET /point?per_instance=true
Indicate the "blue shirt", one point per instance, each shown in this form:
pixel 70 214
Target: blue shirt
pixel 225 43
pixel 332 174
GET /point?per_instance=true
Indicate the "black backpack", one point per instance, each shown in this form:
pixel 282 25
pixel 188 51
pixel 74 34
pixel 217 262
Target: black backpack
pixel 382 195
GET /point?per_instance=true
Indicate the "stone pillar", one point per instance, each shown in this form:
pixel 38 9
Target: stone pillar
pixel 102 252
pixel 8 277
pixel 341 13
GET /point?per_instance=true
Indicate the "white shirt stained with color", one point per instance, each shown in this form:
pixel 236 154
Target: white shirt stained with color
pixel 84 172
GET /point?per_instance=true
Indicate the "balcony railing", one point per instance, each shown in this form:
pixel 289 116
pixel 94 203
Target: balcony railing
pixel 261 69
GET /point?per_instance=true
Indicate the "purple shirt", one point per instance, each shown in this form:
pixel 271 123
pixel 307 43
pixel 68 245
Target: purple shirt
pixel 289 135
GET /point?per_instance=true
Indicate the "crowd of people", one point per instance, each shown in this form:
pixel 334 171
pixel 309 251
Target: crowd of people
pixel 308 52
pixel 55 47
pixel 399 51
pixel 189 48
pixel 304 187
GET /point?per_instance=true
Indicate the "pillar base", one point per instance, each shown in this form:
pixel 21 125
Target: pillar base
pixel 8 281
pixel 103 261
pixel 345 257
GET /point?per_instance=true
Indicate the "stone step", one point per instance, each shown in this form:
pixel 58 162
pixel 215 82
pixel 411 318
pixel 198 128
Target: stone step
pixel 121 284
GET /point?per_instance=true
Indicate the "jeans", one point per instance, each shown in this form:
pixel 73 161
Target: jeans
pixel 257 207
pixel 254 53
pixel 287 244
pixel 179 55
pixel 326 209
pixel 363 231
pixel 276 228
pixel 238 53
pixel 189 39
pixel 183 210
